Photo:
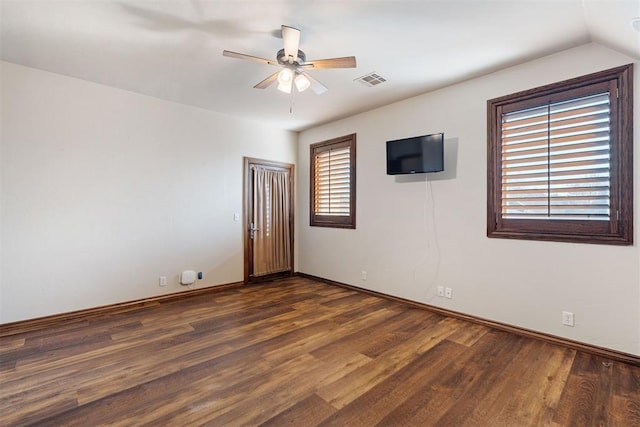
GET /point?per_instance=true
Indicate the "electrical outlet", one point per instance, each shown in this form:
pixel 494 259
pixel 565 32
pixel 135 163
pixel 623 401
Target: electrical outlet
pixel 448 293
pixel 440 291
pixel 162 281
pixel 567 318
pixel 363 275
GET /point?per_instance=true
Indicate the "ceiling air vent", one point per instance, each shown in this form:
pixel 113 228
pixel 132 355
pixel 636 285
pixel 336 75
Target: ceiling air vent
pixel 371 79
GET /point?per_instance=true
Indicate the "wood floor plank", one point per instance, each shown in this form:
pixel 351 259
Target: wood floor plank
pixel 390 336
pixel 343 364
pixel 35 412
pixel 626 380
pixel 171 392
pixel 474 386
pixel 603 399
pixel 296 351
pixel 540 384
pixel 343 391
pixel 359 339
pixel 387 395
pixel 58 365
pixel 198 351
pixel 576 403
pixel 449 383
pixel 255 400
pixel 523 398
pixel 309 411
pixel 469 335
pixel 191 395
pixel 11 344
pixel 355 312
pixel 624 412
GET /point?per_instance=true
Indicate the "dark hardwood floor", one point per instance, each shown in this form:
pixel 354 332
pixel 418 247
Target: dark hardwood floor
pixel 299 352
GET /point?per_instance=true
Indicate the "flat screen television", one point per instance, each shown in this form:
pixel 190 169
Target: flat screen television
pixel 420 154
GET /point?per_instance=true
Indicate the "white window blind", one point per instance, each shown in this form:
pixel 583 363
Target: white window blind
pixel 556 161
pixel 333 182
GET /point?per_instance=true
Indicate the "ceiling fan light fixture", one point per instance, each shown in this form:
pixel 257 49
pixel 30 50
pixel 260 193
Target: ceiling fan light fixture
pixel 285 76
pixel 285 87
pixel 302 82
pixel 285 80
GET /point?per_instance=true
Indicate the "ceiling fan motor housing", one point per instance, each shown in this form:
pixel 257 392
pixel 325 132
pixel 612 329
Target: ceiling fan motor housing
pixel 284 60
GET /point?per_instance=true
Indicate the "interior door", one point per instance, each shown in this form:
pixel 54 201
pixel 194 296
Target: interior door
pixel 268 219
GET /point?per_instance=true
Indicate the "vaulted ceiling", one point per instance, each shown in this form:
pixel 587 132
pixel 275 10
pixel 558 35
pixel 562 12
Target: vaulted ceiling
pixel 173 49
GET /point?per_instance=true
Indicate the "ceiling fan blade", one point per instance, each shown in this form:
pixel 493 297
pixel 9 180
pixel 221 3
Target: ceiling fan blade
pixel 268 81
pixel 291 38
pixel 316 86
pixel 344 62
pixel 248 57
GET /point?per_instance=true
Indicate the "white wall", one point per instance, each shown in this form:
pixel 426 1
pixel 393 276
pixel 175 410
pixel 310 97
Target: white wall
pixel 103 191
pixel 417 232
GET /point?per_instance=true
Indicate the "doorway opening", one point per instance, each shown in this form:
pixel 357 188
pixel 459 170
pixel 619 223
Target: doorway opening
pixel 267 219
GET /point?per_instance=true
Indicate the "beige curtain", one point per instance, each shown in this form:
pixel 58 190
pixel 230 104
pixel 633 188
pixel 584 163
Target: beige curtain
pixel 271 213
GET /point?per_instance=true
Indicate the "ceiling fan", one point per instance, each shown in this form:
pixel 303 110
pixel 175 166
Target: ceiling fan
pixel 294 65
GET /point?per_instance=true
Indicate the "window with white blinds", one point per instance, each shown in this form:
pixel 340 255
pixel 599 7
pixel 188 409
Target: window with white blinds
pixel 556 160
pixel 333 183
pixel 560 161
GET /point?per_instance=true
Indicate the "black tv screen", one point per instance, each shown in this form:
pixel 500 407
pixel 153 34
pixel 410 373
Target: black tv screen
pixel 420 154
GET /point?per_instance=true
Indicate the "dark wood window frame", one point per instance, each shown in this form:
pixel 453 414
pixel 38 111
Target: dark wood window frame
pixel 317 218
pixel 618 229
